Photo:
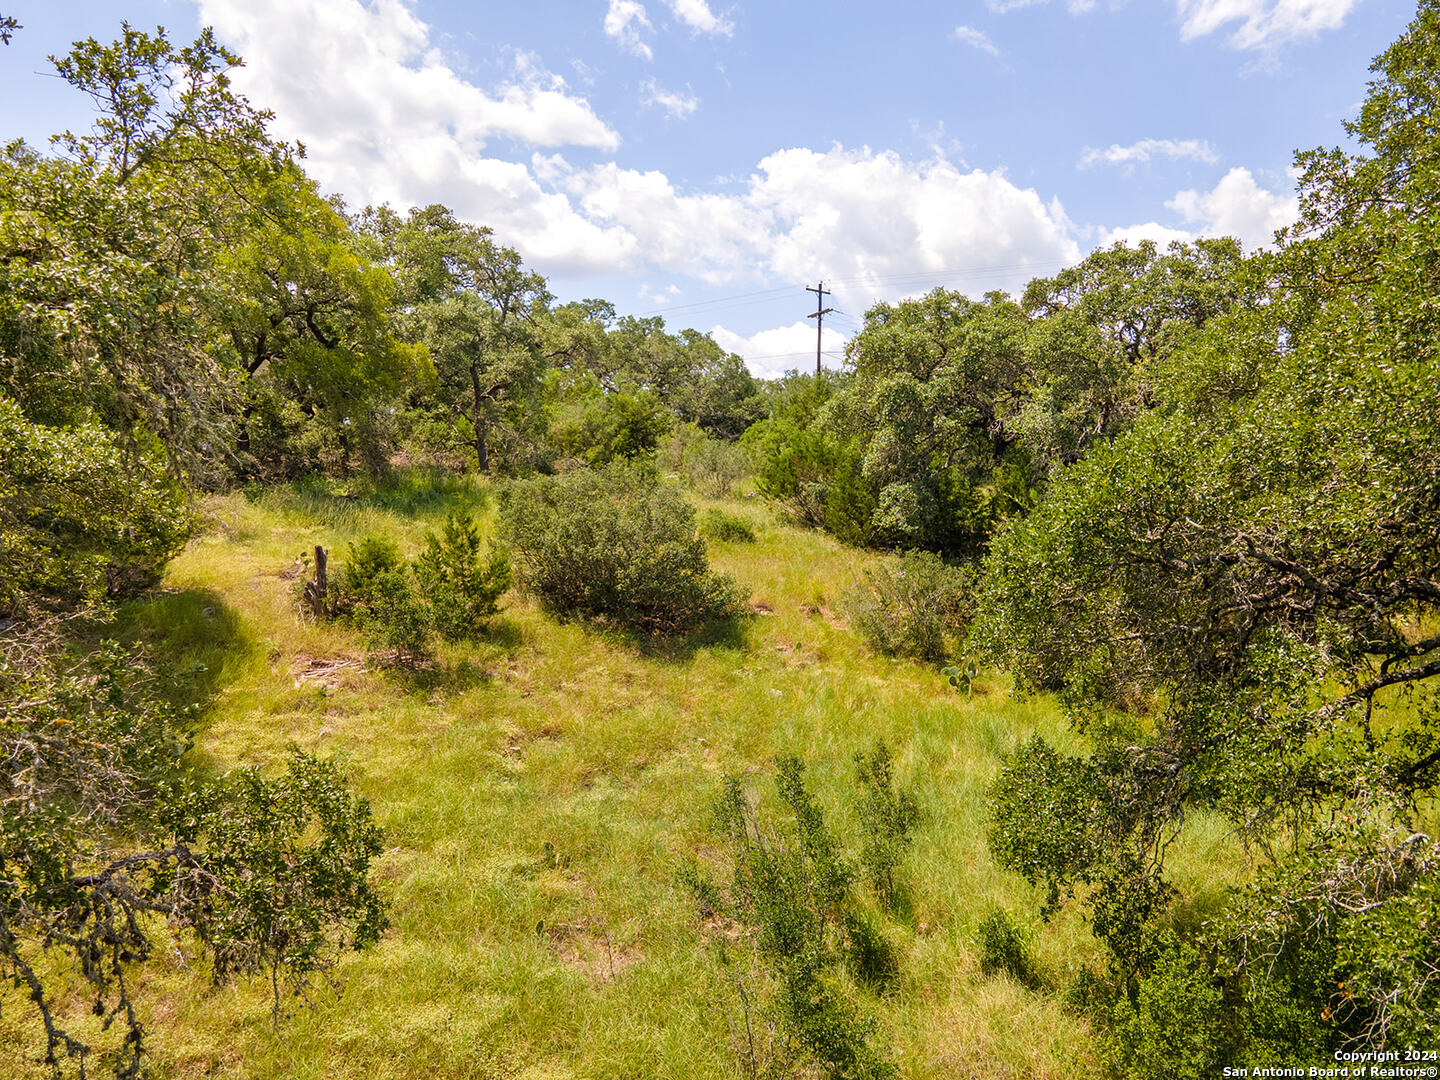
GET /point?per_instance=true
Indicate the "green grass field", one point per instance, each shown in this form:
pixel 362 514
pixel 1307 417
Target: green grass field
pixel 538 792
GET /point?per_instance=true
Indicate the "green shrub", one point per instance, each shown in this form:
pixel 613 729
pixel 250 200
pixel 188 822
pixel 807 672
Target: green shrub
pixel 462 588
pixel 449 589
pixel 375 590
pixel 819 478
pixel 1005 949
pixel 792 884
pixel 614 544
pixel 913 608
pixel 715 466
pixel 886 818
pixel 1197 1007
pixel 104 828
pixel 730 528
pixel 599 426
pixel 365 564
pixel 394 616
pixel 671 451
pixel 82 517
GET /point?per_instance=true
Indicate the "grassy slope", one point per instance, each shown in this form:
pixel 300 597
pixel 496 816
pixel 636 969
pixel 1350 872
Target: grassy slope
pixel 610 751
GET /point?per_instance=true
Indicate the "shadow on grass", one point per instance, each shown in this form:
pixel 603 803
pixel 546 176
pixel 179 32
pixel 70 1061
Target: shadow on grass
pixel 435 677
pixel 412 492
pixel 1189 914
pixel 501 638
pixel 717 634
pixel 422 491
pixel 198 643
pixel 503 634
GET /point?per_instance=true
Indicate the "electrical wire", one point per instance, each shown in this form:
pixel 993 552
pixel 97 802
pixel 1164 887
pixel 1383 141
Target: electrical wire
pixel 914 277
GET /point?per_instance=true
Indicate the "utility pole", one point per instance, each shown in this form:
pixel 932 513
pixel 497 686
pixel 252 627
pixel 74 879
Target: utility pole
pixel 819 316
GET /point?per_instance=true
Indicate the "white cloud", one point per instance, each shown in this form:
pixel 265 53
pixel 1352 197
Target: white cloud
pixel 385 119
pixel 659 296
pixel 679 104
pixel 1146 149
pixel 337 66
pixel 1162 235
pixel 1263 23
pixel 1077 7
pixel 709 236
pixel 976 39
pixel 773 352
pixel 858 215
pixel 624 21
pixel 697 15
pixel 1237 206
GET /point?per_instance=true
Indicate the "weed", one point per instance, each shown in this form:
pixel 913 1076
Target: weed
pixel 962 675
pixel 913 608
pixel 729 528
pixel 886 818
pixel 792 886
pixel 1005 949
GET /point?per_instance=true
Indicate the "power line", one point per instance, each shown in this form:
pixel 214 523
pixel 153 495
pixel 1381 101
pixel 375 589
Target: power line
pixel 795 352
pixel 717 300
pixel 918 276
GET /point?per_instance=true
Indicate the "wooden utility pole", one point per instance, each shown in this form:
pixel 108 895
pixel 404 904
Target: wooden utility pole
pixel 819 316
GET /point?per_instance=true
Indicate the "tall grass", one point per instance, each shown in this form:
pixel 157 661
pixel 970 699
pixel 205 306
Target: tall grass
pixel 538 790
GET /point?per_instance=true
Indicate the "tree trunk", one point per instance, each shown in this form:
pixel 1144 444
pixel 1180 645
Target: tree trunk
pixel 482 446
pixel 242 438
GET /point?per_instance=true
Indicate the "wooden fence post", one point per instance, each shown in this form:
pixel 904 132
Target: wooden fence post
pixel 315 590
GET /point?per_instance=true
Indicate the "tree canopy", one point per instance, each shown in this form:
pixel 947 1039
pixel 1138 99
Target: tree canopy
pixel 1250 573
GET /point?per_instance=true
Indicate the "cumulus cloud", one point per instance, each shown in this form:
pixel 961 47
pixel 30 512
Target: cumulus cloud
pixel 697 15
pixel 859 215
pixel 1147 149
pixel 624 21
pixel 1263 23
pixel 773 352
pixel 976 39
pixel 338 64
pixel 1237 206
pixel 1161 235
pixel 679 104
pixel 387 120
pixel 866 216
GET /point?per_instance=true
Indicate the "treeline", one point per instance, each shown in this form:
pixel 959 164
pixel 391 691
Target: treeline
pixel 955 414
pixel 178 300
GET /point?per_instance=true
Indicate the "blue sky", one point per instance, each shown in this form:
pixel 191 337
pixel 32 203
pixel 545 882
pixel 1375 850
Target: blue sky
pixel 705 161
